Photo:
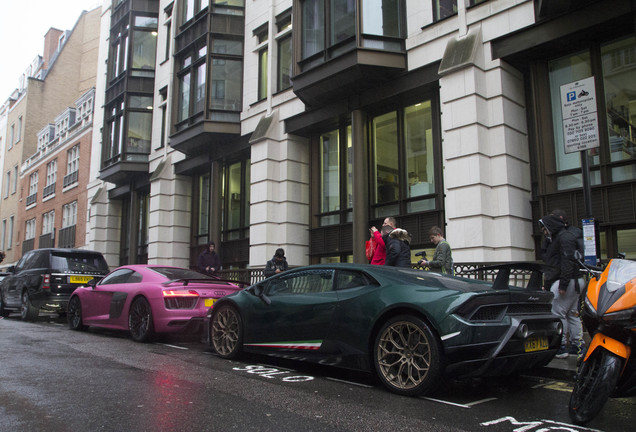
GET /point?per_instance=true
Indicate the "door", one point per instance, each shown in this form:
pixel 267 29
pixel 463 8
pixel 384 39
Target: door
pixel 104 304
pixel 303 304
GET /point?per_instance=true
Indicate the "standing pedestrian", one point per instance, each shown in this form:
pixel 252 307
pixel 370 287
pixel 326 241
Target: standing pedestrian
pixel 379 253
pixel 564 280
pixel 397 242
pixel 209 262
pixel 442 261
pixel 277 264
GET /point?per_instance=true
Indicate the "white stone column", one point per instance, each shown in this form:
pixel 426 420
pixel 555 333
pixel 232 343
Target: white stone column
pixel 279 212
pixel 486 157
pixel 169 216
pixel 104 221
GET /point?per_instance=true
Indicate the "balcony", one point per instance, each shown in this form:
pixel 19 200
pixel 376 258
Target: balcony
pixel 206 137
pixel 48 191
pixel 122 172
pixel 31 199
pixel 69 179
pixel 338 58
pixel 67 237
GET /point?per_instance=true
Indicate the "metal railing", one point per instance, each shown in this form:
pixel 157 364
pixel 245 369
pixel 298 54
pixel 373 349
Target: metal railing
pixel 518 277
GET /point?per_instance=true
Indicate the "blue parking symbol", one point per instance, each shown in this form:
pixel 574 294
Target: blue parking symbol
pixel 571 96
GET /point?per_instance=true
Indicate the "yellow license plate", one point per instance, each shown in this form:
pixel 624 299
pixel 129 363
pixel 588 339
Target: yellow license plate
pixel 80 279
pixel 536 344
pixel 209 302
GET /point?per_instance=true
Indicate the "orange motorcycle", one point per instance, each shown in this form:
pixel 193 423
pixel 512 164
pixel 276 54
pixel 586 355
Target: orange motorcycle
pixel 608 367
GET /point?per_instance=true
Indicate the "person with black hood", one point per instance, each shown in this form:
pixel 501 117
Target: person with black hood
pixel 209 262
pixel 397 242
pixel 277 264
pixel 563 279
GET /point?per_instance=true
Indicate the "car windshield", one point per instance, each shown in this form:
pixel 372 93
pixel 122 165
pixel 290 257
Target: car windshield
pixel 172 273
pixel 78 262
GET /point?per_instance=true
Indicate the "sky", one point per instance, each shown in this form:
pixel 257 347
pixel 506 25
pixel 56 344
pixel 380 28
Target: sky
pixel 23 24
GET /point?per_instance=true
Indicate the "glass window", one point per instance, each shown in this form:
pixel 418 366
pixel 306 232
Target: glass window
pixel 313 25
pixel 343 20
pixel 48 222
pixel 184 97
pixel 385 145
pixel 386 23
pixel 199 91
pixel 234 194
pixel 69 214
pixel 139 133
pixel 420 163
pixel 443 9
pixel 117 277
pixel 203 222
pixel 33 183
pixel 284 63
pixel 330 173
pixel 144 51
pixel 51 172
pixel 29 231
pixel 262 74
pixel 227 46
pixel 72 160
pixel 619 80
pixel 226 85
pixel 303 282
pixel 563 71
pixel 146 21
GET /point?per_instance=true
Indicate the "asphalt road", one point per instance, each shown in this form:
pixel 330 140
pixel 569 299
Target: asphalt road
pixel 54 379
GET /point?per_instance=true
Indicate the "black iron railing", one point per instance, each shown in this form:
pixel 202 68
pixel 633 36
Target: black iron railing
pixel 468 270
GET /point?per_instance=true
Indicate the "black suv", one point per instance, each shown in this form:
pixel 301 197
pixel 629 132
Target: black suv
pixel 45 278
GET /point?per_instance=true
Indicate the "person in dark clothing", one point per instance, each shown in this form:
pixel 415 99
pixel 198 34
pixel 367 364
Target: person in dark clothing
pixel 442 261
pixel 397 242
pixel 209 262
pixel 277 264
pixel 562 279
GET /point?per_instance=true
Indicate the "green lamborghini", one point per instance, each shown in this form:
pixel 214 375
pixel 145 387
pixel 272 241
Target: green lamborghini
pixel 413 328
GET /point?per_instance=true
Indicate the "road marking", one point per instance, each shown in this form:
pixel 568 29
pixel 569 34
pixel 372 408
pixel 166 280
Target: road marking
pixel 173 346
pixel 470 404
pixel 349 382
pixel 445 402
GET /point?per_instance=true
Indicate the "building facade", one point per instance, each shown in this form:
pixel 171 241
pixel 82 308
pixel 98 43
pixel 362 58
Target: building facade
pixel 51 84
pixel 53 190
pixel 301 123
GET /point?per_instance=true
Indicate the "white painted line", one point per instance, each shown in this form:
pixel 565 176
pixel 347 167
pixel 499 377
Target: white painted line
pixel 445 402
pixel 577 428
pixel 480 402
pixel 172 346
pixel 350 382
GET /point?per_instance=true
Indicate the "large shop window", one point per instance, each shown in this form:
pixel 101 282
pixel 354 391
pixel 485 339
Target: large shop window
pixel 619 80
pixel 236 200
pixel 616 97
pixel 335 163
pixel 202 223
pixel 404 162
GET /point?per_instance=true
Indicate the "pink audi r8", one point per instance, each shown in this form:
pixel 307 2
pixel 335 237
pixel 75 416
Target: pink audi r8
pixel 146 299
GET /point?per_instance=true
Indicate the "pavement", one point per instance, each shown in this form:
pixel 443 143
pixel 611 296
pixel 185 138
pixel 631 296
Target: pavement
pixel 562 369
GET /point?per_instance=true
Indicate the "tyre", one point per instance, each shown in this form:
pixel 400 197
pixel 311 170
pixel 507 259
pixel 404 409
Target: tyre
pixel 3 312
pixel 407 356
pixel 74 314
pixel 226 332
pixel 140 320
pixel 27 311
pixel 595 381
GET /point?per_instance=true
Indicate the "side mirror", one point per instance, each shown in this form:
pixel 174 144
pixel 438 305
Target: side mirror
pixel 259 291
pixel 92 283
pixel 11 269
pixel 578 255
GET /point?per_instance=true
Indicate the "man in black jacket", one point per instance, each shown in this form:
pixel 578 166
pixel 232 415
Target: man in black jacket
pixel 209 262
pixel 397 242
pixel 277 264
pixel 563 279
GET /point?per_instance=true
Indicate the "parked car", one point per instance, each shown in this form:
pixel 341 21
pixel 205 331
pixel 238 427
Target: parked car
pixel 43 279
pixel 409 326
pixel 147 299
